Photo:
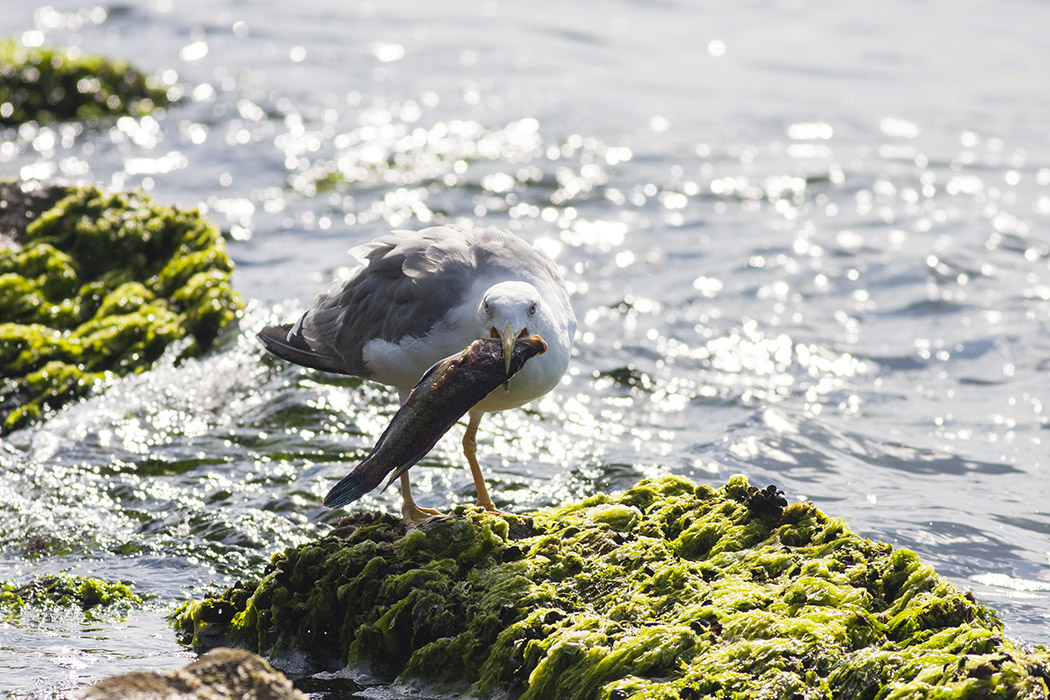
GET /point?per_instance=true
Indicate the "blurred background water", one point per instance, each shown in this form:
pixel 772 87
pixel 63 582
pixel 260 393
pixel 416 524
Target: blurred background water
pixel 807 242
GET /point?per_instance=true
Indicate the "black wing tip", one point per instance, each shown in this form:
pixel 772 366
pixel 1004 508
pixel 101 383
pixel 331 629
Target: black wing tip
pixel 271 335
pixel 279 341
pixel 275 338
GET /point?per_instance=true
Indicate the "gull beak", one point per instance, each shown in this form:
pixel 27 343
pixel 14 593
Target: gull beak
pixel 508 338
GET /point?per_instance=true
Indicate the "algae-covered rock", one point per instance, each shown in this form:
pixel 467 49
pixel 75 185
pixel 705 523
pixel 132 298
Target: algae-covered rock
pixel 47 84
pixel 96 284
pixel 668 590
pixel 67 591
pixel 221 674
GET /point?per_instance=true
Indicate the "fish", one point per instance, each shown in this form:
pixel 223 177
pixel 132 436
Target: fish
pixel 444 393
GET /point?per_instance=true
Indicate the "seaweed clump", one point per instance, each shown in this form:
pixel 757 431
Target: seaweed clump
pixel 668 590
pixel 96 284
pixel 66 591
pixel 44 84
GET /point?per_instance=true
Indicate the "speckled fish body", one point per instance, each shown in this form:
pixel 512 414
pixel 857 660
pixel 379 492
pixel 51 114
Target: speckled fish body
pixel 443 395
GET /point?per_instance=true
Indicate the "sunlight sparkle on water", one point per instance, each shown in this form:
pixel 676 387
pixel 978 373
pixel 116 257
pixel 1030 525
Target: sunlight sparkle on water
pixel 750 282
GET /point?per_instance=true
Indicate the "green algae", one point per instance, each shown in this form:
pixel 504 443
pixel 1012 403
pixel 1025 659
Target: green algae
pixel 668 590
pixel 95 284
pixel 44 84
pixel 65 591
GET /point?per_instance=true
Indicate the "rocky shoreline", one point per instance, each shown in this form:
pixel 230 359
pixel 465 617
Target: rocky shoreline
pixel 45 84
pixel 668 590
pixel 97 284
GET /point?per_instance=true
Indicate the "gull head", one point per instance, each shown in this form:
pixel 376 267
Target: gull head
pixel 512 310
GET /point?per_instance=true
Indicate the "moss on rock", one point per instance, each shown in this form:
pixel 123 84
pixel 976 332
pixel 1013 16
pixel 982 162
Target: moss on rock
pixel 45 84
pixel 668 590
pixel 94 284
pixel 67 591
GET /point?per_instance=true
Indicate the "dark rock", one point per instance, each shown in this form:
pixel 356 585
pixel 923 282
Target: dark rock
pixel 221 674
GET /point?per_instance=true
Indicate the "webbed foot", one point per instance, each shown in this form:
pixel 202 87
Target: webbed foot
pixel 414 516
pixel 490 507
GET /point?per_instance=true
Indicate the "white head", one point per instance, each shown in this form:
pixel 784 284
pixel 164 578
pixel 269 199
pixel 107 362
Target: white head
pixel 512 310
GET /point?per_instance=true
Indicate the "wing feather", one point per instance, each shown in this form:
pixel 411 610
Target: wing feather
pixel 408 281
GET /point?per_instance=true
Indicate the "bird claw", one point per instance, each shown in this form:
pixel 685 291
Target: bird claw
pixel 523 523
pixel 491 508
pixel 415 516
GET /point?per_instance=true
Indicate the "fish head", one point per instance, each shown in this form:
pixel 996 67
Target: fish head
pixel 530 346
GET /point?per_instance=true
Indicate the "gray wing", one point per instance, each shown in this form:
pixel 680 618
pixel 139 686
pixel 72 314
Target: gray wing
pixel 408 281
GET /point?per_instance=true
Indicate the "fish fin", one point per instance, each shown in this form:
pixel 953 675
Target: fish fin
pixel 394 475
pixel 352 486
pixel 446 371
pixel 431 370
pixel 390 479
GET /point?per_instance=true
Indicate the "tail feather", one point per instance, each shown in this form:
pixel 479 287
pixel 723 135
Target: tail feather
pixel 280 341
pixel 352 486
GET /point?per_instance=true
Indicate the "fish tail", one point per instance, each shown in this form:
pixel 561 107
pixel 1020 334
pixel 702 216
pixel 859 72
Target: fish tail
pixel 352 486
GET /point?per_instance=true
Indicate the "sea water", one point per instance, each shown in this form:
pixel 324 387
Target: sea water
pixel 807 242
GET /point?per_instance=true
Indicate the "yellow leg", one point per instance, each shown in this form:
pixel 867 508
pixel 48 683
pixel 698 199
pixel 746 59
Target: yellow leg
pixel 410 512
pixel 470 449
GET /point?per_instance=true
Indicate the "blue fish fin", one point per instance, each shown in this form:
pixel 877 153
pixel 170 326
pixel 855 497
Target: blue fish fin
pixel 433 368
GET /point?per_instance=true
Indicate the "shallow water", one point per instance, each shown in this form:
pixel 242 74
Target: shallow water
pixel 806 244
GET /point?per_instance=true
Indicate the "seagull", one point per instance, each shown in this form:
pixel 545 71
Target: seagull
pixel 419 296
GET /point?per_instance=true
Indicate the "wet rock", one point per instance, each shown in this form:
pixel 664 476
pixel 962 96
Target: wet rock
pixel 221 674
pixel 45 84
pixel 95 285
pixel 667 590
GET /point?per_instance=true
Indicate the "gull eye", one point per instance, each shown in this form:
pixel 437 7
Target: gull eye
pixel 532 309
pixel 487 309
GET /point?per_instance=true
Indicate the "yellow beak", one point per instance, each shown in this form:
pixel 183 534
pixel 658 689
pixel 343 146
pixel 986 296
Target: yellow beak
pixel 508 339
